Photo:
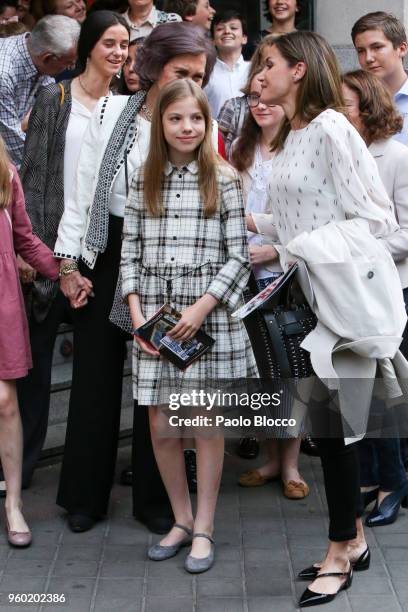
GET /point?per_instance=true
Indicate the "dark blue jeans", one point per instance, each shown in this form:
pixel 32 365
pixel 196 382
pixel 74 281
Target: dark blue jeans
pixel 381 463
pixel 381 460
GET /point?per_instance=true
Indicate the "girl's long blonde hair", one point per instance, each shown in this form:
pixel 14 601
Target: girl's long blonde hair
pixel 5 180
pixel 207 158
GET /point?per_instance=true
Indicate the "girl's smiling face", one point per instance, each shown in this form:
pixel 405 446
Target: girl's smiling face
pixel 283 10
pixel 264 115
pixel 184 130
pixel 110 52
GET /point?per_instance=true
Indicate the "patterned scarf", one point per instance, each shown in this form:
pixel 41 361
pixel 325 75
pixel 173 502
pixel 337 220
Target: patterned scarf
pixel 97 235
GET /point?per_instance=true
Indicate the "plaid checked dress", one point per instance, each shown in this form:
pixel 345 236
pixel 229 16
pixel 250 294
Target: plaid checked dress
pixel 212 255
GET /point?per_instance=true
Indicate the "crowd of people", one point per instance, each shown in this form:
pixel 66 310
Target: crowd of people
pixel 161 155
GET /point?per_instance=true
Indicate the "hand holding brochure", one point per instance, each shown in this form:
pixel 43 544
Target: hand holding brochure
pixel 181 354
pixel 266 294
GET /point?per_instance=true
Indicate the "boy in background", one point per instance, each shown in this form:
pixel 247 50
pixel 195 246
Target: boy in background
pixel 198 12
pixel 381 44
pixel 230 73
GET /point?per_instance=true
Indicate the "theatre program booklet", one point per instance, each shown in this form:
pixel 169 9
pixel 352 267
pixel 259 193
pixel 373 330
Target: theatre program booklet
pixel 181 354
pixel 266 294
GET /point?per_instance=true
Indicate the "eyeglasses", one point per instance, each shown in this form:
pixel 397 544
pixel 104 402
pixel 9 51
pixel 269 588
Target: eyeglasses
pixel 253 100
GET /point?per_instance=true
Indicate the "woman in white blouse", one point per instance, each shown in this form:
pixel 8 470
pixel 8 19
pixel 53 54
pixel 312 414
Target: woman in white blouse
pixel 322 173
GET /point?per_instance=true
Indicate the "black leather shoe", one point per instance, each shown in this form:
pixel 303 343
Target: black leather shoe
pixel 308 447
pixel 360 565
pixel 156 524
pixel 369 496
pixel 191 469
pixel 248 448
pixel 387 512
pixel 80 522
pixel 310 598
pixel 126 476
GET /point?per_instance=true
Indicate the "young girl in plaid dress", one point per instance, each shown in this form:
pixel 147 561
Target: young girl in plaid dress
pixel 184 223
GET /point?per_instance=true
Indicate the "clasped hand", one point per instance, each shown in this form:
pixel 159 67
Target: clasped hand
pixel 76 288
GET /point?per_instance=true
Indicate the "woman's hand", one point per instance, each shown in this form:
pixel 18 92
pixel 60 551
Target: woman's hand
pixel 82 298
pixel 251 225
pixel 76 288
pixel 192 318
pixel 262 254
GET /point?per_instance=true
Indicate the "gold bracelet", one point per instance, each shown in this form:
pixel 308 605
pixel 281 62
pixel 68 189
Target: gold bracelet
pixel 68 268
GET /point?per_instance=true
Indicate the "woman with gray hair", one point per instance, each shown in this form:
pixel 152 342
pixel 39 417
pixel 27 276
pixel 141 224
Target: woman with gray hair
pixel 89 245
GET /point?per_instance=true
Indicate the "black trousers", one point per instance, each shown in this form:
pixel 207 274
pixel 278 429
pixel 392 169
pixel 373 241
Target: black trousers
pixel 94 410
pixel 34 390
pixel 341 471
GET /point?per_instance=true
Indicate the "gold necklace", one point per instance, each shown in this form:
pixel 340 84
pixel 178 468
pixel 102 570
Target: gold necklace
pixel 147 113
pixel 88 93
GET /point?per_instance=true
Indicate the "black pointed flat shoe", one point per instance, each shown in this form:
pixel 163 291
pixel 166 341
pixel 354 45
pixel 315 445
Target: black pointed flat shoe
pixel 387 512
pixel 360 565
pixel 310 598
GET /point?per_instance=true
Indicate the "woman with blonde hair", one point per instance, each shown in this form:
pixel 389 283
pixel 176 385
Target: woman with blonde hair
pixel 322 176
pixel 15 356
pixel 184 242
pixel 371 110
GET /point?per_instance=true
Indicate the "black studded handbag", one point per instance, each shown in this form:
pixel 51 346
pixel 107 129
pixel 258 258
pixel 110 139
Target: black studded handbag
pixel 278 327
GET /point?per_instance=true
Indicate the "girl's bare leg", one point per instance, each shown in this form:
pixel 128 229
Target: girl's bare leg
pixel 11 453
pixel 169 453
pixel 210 459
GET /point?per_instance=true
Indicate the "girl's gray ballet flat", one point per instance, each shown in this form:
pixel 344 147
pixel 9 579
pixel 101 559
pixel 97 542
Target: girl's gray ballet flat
pixel 193 565
pixel 158 552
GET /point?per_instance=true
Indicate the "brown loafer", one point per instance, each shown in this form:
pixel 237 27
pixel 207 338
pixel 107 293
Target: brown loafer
pixel 18 539
pixel 253 478
pixel 295 490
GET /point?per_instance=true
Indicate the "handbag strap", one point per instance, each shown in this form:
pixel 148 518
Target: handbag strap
pixel 278 345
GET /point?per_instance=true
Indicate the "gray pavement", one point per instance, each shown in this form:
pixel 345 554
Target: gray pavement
pixel 263 540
